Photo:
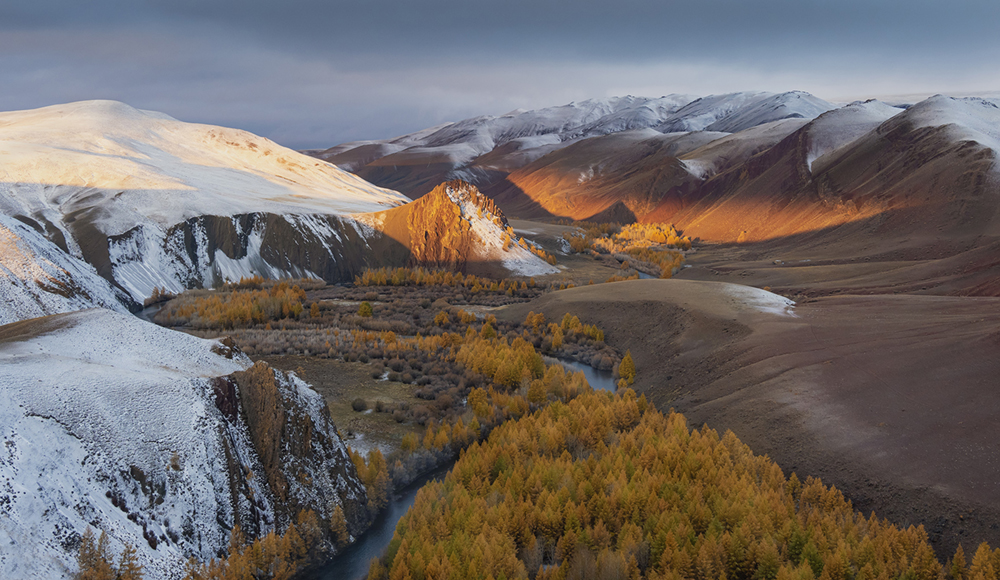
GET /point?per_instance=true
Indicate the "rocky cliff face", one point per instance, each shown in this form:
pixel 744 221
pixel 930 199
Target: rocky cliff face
pixel 306 463
pixel 455 226
pixel 439 235
pixel 163 440
pixel 205 250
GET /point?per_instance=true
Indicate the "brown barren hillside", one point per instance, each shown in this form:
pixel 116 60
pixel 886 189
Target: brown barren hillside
pixel 905 177
pixel 644 170
pixel 863 199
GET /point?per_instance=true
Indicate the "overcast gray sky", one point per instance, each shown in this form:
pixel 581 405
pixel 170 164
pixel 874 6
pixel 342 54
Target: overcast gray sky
pixel 314 73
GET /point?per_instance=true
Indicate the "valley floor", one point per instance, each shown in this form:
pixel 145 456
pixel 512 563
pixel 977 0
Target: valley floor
pixel 886 393
pixel 889 396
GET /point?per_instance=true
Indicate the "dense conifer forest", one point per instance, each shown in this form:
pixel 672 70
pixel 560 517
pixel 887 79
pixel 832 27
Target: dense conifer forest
pixel 607 487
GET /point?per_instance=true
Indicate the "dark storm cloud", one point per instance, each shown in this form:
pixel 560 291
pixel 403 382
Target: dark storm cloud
pixel 313 73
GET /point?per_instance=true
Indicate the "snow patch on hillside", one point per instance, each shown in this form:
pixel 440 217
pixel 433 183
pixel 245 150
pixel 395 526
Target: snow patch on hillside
pixel 698 168
pixel 760 300
pixel 222 268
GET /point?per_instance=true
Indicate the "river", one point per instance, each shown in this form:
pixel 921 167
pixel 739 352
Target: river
pixel 599 380
pixel 352 563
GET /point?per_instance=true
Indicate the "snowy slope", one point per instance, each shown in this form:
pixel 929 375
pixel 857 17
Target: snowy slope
pixel 835 129
pixel 83 400
pixel 143 166
pixel 116 423
pixel 972 118
pixel 113 181
pixel 727 150
pixel 735 112
pixel 37 278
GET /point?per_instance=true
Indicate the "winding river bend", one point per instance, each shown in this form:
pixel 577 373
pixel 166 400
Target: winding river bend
pixel 352 563
pixel 599 380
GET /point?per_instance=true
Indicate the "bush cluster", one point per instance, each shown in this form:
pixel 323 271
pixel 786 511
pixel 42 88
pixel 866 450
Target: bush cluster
pixel 650 248
pixel 233 308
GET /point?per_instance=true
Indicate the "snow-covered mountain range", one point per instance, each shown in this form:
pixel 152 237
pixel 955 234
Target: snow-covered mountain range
pixel 482 150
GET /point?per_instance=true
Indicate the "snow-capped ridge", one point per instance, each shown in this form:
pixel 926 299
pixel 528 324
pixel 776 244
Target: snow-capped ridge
pixel 135 188
pixel 836 129
pixel 971 118
pixel 485 148
pixel 462 141
pixel 734 112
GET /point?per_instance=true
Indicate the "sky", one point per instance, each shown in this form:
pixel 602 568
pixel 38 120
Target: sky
pixel 316 73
